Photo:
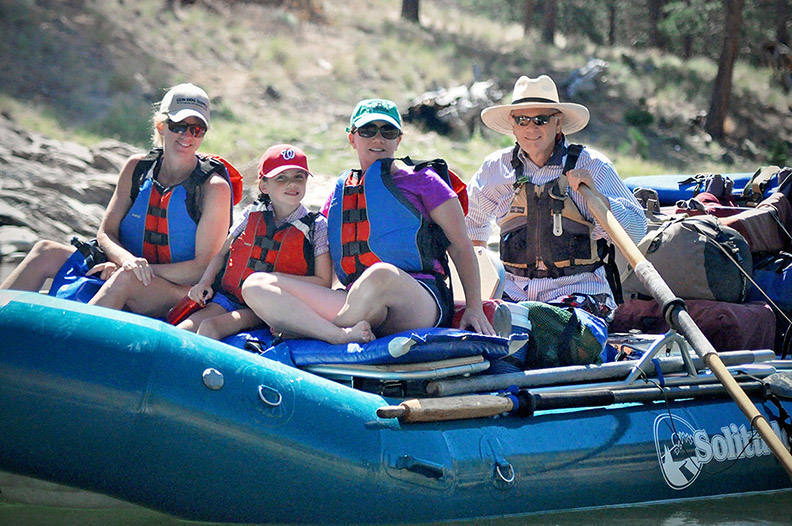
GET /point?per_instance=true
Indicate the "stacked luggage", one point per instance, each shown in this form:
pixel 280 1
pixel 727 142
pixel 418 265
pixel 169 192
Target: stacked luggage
pixel 728 256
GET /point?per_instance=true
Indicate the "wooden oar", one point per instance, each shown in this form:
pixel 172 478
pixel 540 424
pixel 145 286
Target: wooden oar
pixel 526 402
pixel 678 318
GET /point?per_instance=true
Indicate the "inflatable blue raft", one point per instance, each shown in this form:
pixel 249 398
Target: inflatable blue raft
pixel 136 409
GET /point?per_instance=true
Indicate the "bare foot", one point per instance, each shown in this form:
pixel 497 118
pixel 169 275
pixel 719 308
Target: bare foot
pixel 359 333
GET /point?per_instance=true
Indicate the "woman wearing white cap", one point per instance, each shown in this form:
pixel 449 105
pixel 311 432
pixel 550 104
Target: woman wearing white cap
pixel 548 239
pixel 169 214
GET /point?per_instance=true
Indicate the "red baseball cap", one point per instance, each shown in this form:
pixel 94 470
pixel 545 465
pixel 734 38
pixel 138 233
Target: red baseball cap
pixel 280 158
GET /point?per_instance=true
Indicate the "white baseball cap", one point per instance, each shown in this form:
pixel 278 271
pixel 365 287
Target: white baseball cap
pixel 186 100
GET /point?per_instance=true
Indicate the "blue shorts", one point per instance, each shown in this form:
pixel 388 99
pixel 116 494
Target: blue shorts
pixel 443 298
pixel 229 303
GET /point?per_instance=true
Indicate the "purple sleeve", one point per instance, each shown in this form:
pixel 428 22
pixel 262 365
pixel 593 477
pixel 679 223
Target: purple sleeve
pixel 425 189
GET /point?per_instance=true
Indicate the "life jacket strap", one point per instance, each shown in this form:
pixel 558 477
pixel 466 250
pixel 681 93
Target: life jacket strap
pixel 258 265
pixel 355 248
pixel 155 238
pixel 156 211
pixel 355 215
pixel 266 243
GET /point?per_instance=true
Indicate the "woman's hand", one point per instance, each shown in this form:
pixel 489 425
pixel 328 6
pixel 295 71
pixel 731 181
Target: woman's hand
pixel 141 268
pixel 104 270
pixel 201 293
pixel 475 318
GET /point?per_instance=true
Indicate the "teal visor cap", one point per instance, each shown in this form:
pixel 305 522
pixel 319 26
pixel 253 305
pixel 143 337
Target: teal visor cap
pixel 370 110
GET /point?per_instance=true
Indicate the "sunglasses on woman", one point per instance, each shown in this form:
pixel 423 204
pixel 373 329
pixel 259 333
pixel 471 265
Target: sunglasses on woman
pixel 388 131
pixel 196 130
pixel 539 120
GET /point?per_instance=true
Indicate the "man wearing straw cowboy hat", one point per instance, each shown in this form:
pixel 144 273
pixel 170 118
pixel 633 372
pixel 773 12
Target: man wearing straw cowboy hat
pixel 552 249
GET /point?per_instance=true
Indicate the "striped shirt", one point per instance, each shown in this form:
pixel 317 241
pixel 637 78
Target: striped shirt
pixel 320 226
pixel 491 191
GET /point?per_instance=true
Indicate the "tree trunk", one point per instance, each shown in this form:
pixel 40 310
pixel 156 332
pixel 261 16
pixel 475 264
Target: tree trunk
pixel 656 37
pixel 687 46
pixel 410 10
pixel 549 21
pixel 687 41
pixel 612 23
pixel 721 91
pixel 528 9
pixel 783 9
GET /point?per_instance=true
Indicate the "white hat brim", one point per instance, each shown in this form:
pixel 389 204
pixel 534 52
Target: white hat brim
pixel 280 169
pixel 498 118
pixel 187 112
pixel 372 117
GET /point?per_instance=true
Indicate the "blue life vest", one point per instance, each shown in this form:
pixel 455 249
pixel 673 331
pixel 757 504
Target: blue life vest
pixel 161 227
pixel 392 230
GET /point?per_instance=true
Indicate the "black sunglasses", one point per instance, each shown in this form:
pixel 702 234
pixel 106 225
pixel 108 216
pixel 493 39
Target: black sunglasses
pixel 196 130
pixel 539 120
pixel 388 131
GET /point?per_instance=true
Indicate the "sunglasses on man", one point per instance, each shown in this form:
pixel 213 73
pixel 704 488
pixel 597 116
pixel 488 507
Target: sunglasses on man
pixel 388 131
pixel 539 120
pixel 196 130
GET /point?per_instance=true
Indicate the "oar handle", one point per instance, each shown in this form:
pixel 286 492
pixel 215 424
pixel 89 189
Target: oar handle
pixel 680 320
pixel 451 408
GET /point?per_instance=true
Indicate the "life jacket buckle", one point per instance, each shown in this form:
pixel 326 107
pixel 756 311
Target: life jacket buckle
pixel 558 228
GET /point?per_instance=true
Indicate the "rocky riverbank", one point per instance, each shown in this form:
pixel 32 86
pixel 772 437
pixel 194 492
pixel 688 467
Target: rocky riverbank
pixel 51 189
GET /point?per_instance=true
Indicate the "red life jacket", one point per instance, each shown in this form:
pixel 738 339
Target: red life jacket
pixel 355 230
pixel 262 247
pixel 155 238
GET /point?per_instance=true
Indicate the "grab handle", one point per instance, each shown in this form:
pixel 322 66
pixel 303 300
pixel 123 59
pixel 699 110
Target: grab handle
pixel 428 469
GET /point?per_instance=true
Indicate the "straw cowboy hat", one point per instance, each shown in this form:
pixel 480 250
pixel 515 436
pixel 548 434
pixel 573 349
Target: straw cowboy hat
pixel 540 92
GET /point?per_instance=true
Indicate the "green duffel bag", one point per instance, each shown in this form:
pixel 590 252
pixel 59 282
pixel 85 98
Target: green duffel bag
pixel 697 257
pixel 560 336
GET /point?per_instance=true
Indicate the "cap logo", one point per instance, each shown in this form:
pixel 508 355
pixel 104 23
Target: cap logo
pixel 191 100
pixel 287 155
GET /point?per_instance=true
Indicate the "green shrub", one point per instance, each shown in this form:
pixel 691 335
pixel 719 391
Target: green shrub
pixel 778 153
pixel 635 144
pixel 638 117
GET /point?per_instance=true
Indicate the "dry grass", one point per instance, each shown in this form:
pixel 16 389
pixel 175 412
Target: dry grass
pixel 275 77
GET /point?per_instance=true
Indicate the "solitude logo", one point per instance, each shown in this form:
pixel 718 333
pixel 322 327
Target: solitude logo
pixel 682 451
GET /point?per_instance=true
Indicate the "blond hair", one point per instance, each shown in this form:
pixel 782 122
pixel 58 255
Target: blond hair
pixel 156 136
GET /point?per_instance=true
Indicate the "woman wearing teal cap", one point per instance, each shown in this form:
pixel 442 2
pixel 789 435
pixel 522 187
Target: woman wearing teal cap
pixel 390 227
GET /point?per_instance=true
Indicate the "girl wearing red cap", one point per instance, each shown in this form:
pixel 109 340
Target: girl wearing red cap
pixel 389 229
pixel 276 235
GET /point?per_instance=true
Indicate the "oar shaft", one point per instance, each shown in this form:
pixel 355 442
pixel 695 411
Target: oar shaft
pixel 606 397
pixel 680 320
pixel 579 373
pixel 480 406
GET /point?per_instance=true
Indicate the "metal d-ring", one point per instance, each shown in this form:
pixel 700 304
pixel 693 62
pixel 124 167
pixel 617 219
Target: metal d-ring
pixel 506 480
pixel 263 397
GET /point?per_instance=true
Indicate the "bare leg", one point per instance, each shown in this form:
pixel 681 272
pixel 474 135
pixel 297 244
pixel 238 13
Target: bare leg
pixel 390 300
pixel 194 320
pixel 42 262
pixel 301 308
pixel 218 327
pixel 124 290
